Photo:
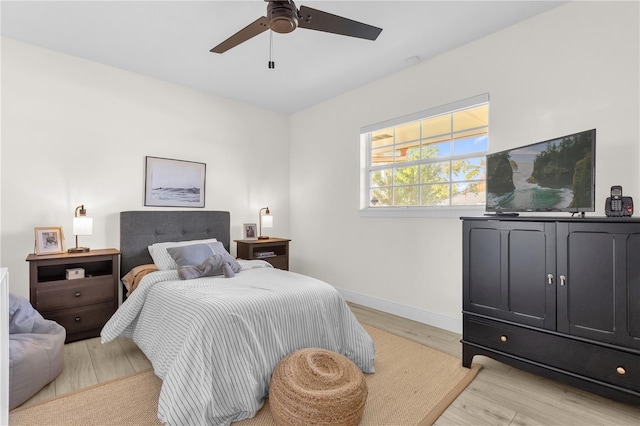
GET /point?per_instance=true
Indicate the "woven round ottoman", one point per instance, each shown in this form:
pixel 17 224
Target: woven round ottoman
pixel 317 387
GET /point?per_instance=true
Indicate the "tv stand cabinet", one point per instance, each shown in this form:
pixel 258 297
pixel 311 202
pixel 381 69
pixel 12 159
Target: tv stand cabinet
pixel 559 297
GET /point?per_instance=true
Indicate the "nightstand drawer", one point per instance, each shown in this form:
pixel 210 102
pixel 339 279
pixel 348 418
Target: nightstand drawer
pixel 74 293
pixel 84 318
pixel 604 363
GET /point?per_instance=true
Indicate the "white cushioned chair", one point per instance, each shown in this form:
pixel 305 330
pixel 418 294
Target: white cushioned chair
pixel 36 350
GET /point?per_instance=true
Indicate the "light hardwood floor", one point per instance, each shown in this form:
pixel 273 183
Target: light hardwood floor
pixel 500 395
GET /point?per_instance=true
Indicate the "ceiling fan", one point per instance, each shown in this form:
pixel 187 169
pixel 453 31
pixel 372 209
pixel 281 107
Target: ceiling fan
pixel 283 17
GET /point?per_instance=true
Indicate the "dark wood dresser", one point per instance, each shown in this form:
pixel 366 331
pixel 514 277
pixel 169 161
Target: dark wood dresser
pixel 559 297
pixel 81 305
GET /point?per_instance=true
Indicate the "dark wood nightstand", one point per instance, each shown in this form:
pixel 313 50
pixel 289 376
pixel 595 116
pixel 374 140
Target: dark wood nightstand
pixel 273 250
pixel 82 305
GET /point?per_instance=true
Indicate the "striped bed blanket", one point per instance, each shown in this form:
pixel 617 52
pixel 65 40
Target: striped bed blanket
pixel 215 341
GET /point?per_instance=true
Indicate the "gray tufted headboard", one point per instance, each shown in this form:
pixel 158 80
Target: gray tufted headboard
pixel 140 229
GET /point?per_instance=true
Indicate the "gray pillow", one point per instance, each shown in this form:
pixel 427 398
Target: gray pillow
pixel 216 264
pixel 195 254
pixel 161 257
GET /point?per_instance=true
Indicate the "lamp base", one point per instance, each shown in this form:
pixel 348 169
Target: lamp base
pixel 263 237
pixel 78 250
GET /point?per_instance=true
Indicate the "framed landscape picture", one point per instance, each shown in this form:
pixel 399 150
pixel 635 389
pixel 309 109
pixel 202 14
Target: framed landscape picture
pixel 174 183
pixel 49 240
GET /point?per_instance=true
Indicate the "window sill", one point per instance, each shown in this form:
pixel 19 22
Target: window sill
pixel 434 212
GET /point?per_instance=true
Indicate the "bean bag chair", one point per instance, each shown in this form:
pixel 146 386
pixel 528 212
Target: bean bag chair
pixel 36 350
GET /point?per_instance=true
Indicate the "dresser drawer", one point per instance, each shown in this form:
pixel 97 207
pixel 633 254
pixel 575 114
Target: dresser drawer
pixel 75 320
pixel 606 364
pixel 74 293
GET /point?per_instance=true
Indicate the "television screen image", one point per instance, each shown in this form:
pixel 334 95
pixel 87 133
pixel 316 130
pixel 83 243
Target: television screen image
pixel 551 176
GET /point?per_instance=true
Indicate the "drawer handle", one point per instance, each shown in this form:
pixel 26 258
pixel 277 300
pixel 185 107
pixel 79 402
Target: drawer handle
pixel 503 338
pixel 550 279
pixel 78 319
pixel 563 280
pixel 77 294
pixel 621 371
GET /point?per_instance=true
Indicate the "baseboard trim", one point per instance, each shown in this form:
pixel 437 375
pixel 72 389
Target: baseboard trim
pixel 414 314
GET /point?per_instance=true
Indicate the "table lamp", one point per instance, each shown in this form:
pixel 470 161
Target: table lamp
pixel 82 225
pixel 265 220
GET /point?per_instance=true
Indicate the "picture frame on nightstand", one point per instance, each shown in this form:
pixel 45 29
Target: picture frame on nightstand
pixel 49 240
pixel 249 231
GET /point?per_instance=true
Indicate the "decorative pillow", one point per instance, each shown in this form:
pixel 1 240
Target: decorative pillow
pixel 216 264
pixel 195 254
pixel 161 257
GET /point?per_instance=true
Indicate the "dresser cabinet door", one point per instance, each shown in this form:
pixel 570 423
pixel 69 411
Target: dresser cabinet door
pixel 600 295
pixel 509 271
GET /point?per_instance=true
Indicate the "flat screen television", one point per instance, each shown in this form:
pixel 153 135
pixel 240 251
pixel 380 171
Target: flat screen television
pixel 557 175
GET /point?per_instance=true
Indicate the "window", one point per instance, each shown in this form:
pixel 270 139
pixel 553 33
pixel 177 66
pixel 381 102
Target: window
pixel 430 160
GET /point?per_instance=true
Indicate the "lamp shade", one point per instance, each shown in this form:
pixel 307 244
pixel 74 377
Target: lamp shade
pixel 82 225
pixel 267 221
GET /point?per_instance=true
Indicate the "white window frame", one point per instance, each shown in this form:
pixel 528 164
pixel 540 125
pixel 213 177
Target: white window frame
pixel 413 211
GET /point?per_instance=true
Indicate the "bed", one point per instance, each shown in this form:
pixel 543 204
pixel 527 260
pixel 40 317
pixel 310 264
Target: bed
pixel 214 341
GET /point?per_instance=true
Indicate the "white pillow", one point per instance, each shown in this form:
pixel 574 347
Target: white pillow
pixel 163 259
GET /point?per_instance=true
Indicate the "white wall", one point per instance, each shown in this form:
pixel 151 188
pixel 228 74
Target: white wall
pixel 573 68
pixel 76 132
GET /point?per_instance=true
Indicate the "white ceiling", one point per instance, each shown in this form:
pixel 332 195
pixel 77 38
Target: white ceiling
pixel 170 40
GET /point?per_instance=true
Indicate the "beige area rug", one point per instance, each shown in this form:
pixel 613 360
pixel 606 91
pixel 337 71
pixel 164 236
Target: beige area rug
pixel 413 384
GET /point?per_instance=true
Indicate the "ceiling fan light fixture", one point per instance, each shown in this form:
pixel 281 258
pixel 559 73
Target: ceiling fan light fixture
pixel 282 17
pixel 283 25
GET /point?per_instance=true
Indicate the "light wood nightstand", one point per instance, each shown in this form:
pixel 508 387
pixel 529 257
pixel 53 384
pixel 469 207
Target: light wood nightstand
pixel 273 250
pixel 83 305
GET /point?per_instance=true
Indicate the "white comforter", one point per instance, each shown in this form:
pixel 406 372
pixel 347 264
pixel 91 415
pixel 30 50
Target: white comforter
pixel 215 341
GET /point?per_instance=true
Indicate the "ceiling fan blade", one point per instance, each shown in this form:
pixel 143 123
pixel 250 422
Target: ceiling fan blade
pixel 318 20
pixel 253 29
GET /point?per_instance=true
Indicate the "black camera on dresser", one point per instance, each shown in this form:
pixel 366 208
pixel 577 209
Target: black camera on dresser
pixel 559 297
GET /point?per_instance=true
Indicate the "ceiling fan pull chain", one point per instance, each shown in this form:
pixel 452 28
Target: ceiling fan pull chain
pixel 272 64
